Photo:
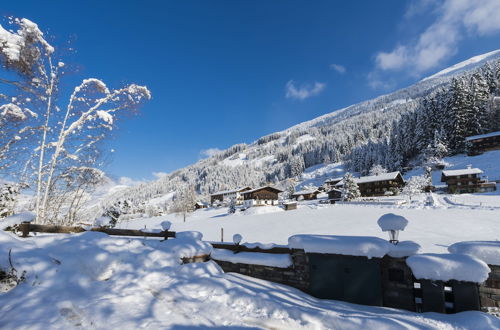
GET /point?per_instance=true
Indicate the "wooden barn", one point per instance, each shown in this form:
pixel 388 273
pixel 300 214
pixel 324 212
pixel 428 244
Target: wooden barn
pixel 306 195
pixel 200 205
pixel 334 195
pixel 330 183
pixel 466 180
pixel 261 196
pixel 478 144
pixel 378 185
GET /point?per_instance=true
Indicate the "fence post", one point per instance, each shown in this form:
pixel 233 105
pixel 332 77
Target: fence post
pixel 25 229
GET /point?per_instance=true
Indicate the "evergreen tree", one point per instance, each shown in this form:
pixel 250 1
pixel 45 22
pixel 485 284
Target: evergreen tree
pixel 350 189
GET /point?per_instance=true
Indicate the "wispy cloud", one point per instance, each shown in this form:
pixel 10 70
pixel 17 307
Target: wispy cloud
pixel 455 20
pixel 337 67
pixel 159 174
pixel 303 91
pixel 126 181
pixel 210 152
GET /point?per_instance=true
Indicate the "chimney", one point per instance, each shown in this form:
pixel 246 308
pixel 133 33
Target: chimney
pixel 469 166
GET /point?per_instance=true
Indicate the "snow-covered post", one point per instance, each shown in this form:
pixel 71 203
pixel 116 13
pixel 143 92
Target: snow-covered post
pixel 165 225
pixel 392 223
pixel 237 239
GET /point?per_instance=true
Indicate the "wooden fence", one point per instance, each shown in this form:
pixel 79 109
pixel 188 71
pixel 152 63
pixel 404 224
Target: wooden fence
pixel 26 227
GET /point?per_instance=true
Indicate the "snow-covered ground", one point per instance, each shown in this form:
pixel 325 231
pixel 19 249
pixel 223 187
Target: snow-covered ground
pixel 433 227
pixel 92 281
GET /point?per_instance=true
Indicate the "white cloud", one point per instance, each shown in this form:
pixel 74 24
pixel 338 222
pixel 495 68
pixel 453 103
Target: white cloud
pixel 304 91
pixel 337 67
pixel 159 174
pixel 456 19
pixel 126 181
pixel 210 152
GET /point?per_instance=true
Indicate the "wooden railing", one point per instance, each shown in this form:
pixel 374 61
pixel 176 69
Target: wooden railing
pixel 26 227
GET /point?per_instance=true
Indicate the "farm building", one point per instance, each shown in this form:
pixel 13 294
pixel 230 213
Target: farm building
pixel 261 196
pixel 466 181
pixel 306 195
pixel 378 185
pixel 334 195
pixel 200 205
pixel 227 195
pixel 478 144
pixel 330 183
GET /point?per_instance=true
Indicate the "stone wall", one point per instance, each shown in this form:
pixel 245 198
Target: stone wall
pixel 296 276
pixel 489 291
pixel 398 286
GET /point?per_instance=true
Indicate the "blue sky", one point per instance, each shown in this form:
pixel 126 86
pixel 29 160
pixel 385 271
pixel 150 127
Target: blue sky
pixel 225 72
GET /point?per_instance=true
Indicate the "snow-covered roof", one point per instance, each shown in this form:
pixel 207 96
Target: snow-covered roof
pixel 305 192
pixel 253 258
pixel 260 188
pixel 374 178
pixel 232 191
pixel 482 136
pixel 464 171
pixel 333 180
pixel 445 267
pixel 487 251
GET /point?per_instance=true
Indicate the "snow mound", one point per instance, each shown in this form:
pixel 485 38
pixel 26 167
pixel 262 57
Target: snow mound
pixel 445 267
pixel 487 251
pixel 262 210
pixel 17 219
pixel 253 258
pixel 364 246
pixel 263 246
pixel 189 235
pixel 391 221
pixel 404 249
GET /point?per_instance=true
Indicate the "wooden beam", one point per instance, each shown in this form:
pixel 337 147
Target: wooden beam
pixel 27 227
pixel 242 248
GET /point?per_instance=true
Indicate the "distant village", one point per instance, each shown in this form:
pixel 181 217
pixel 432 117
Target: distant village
pixel 456 181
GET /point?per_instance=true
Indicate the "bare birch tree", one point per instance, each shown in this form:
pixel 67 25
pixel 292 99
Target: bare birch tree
pixel 70 135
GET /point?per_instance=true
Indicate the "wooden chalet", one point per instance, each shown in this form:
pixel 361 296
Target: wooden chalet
pixel 466 180
pixel 226 195
pixel 306 195
pixel 330 183
pixel 334 195
pixel 200 205
pixel 378 185
pixel 261 196
pixel 478 144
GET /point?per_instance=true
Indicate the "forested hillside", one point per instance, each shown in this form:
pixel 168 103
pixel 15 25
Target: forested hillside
pixel 421 123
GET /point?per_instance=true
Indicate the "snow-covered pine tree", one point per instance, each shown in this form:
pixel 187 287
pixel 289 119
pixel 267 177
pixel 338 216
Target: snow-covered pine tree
pixel 350 189
pixel 232 206
pixel 8 197
pixel 377 170
pixel 415 185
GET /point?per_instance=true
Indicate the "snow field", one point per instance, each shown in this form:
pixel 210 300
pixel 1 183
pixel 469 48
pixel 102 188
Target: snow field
pixel 93 281
pixel 434 229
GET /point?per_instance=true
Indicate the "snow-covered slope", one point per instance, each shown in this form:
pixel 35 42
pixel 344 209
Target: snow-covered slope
pixel 473 61
pixel 282 155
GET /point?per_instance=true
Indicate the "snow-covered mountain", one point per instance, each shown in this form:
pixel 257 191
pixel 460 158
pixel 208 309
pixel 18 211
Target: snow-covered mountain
pixel 372 126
